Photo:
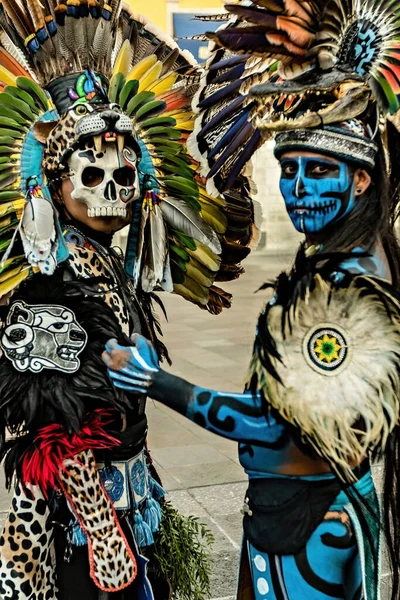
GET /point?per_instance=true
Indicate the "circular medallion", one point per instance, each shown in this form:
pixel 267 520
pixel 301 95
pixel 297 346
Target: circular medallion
pixel 326 349
pixel 113 482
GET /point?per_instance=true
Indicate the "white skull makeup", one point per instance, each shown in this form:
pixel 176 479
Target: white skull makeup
pixel 105 177
pixel 38 337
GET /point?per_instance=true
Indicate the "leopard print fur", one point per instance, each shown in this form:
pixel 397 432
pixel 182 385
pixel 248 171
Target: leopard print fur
pixel 112 563
pixel 27 557
pixel 61 138
pixel 86 263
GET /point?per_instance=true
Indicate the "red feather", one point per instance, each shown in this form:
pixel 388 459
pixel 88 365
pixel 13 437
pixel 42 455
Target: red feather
pixel 391 78
pixel 52 445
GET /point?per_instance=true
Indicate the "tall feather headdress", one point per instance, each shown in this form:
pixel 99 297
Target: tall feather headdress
pixel 54 55
pixel 281 65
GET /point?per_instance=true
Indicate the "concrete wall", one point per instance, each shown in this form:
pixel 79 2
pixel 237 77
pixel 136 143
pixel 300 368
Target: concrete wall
pixel 279 235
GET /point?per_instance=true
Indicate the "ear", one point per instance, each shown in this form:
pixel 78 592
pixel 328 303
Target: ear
pixel 362 181
pixel 43 129
pixel 20 313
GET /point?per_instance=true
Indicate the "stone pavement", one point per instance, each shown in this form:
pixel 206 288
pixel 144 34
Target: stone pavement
pixel 200 470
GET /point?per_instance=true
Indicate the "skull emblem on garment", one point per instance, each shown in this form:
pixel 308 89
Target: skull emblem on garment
pixel 105 178
pixel 37 337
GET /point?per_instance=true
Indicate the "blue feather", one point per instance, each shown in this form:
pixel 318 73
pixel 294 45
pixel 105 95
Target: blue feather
pixel 231 133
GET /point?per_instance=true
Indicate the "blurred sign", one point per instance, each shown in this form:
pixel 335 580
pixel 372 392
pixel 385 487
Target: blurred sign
pixel 185 25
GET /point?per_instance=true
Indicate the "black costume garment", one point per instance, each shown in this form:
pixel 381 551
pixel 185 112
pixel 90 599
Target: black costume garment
pixel 92 286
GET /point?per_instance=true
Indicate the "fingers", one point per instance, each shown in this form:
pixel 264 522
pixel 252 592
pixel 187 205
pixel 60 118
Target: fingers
pixel 111 344
pixel 129 381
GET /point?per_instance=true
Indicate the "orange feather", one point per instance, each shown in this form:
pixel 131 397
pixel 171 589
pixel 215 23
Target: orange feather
pixel 9 63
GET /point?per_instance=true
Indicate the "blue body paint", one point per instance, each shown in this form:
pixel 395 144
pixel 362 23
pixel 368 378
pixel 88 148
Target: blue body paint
pixel 317 192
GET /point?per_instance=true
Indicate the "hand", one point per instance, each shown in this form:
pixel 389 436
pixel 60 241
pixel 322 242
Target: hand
pixel 131 368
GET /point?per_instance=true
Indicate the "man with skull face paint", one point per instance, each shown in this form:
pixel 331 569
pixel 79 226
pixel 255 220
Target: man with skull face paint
pixel 322 398
pixel 101 145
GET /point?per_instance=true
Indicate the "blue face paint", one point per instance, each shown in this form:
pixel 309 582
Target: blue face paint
pixel 317 191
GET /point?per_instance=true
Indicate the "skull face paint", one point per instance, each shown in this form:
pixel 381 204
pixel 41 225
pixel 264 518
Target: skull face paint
pixel 38 337
pixel 317 191
pixel 104 179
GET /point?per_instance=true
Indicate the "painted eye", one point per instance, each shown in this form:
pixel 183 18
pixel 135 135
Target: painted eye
pixel 58 328
pixel 289 169
pixel 81 110
pixel 320 170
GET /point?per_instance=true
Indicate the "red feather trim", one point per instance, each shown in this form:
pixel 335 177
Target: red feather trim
pixel 53 444
pixel 392 79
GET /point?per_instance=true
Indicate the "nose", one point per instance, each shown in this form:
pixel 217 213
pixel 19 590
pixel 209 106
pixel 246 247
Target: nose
pixel 299 190
pixel 110 117
pixel 110 193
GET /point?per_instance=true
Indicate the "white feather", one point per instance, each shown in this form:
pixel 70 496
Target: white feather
pixel 181 217
pixel 153 268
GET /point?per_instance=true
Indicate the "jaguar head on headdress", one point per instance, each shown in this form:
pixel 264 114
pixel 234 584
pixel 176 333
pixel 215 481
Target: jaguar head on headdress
pixel 91 155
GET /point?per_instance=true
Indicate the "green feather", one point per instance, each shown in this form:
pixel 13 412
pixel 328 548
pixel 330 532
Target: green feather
pixel 11 101
pixel 34 90
pixel 9 195
pixel 181 170
pixel 185 240
pixel 390 95
pixel 12 133
pixel 7 141
pixel 129 90
pixel 138 100
pixel 6 159
pixel 151 109
pixel 180 252
pixel 180 159
pixel 158 121
pixel 9 167
pixel 182 184
pixel 7 122
pixel 7 150
pixel 171 134
pixel 116 84
pixel 169 145
pixel 12 114
pixel 177 271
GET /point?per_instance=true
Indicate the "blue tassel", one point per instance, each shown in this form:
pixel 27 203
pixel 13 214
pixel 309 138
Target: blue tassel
pixel 152 514
pixel 142 531
pixel 157 491
pixel 78 536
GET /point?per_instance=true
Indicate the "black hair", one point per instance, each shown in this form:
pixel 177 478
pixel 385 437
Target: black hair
pixel 372 219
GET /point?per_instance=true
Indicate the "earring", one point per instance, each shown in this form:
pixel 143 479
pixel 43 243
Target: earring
pixel 358 191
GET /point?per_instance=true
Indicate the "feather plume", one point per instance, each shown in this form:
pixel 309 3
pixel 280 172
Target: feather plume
pixel 17 18
pixel 154 261
pixel 181 217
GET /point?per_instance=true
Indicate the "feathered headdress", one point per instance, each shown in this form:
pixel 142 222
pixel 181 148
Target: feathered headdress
pixel 57 55
pixel 282 65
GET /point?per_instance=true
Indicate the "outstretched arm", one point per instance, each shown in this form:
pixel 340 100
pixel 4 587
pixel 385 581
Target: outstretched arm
pixel 233 416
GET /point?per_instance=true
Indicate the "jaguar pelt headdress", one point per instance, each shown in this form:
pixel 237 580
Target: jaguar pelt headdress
pixel 93 93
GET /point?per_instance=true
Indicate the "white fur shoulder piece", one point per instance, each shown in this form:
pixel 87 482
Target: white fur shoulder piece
pixel 339 368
